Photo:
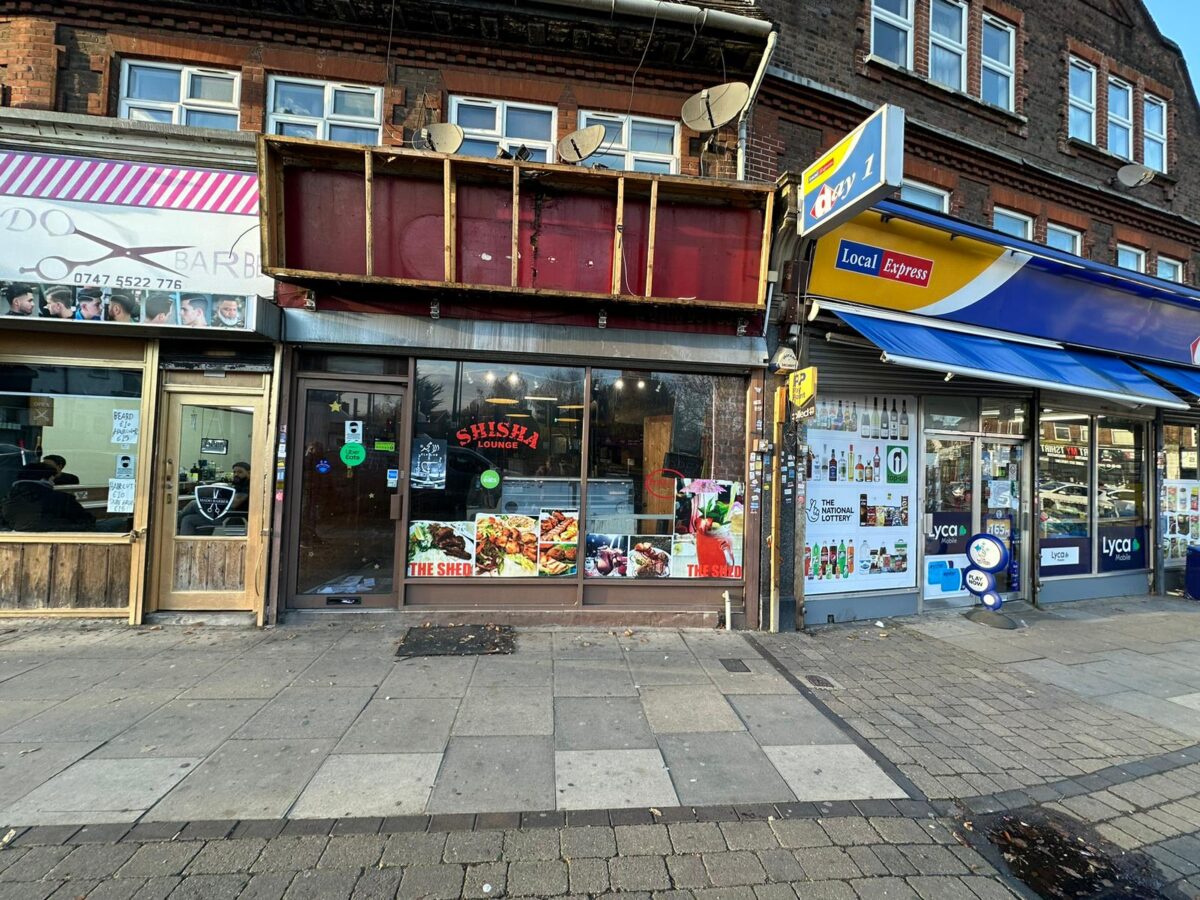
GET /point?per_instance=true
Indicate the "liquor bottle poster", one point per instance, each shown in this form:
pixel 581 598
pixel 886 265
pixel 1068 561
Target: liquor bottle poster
pixel 861 504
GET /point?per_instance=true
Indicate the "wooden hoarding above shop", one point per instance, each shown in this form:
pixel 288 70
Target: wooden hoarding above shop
pixel 385 216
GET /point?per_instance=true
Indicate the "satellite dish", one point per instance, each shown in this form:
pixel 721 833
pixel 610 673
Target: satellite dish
pixel 579 145
pixel 1135 175
pixel 715 106
pixel 441 137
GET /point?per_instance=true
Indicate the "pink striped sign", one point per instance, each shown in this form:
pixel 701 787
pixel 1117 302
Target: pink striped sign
pixel 118 183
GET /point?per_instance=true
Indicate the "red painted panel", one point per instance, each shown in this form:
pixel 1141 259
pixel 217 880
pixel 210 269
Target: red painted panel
pixel 636 244
pixel 407 217
pixel 707 252
pixel 484 223
pixel 566 241
pixel 324 221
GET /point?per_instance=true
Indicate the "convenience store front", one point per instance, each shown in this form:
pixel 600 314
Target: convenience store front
pixel 1030 388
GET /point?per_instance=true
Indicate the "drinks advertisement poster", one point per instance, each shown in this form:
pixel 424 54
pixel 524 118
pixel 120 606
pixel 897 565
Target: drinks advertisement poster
pixel 861 506
pixel 1180 525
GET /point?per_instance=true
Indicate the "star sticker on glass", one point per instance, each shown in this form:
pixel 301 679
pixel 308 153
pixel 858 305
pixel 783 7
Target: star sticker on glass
pixel 371 496
pixel 335 406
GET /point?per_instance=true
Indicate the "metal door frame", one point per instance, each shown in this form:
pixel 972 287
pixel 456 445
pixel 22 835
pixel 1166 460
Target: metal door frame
pixel 373 384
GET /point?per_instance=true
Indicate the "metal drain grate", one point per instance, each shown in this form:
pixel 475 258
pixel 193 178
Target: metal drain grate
pixel 820 682
pixel 735 665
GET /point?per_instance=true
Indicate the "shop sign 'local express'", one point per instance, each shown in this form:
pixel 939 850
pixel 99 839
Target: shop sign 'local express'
pixel 880 263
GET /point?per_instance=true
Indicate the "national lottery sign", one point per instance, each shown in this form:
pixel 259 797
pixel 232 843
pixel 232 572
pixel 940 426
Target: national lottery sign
pixel 865 165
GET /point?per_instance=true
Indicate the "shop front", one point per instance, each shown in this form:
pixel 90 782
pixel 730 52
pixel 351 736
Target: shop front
pixel 537 442
pixel 136 361
pixel 1000 408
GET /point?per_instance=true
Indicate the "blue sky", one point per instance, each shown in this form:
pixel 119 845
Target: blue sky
pixel 1177 20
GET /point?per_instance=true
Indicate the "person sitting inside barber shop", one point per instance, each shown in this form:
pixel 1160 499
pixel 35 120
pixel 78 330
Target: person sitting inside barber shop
pixel 32 504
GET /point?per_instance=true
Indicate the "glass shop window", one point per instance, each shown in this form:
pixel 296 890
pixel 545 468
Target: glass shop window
pixel 1065 489
pixel 952 414
pixel 69 439
pixel 495 471
pixel 1179 444
pixel 666 458
pixel 1121 493
pixel 1004 416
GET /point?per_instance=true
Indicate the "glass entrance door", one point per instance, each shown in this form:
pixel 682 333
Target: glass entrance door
pixel 350 501
pixel 972 484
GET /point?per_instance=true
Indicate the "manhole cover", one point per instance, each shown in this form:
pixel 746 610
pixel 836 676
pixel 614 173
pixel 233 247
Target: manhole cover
pixel 735 665
pixel 1060 857
pixel 457 640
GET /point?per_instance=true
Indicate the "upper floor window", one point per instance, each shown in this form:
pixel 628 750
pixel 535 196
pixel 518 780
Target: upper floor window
pixel 1154 133
pixel 1068 240
pixel 494 125
pixel 891 31
pixel 1011 222
pixel 327 111
pixel 948 43
pixel 1170 269
pixel 1120 119
pixel 925 195
pixel 1131 258
pixel 179 95
pixel 999 62
pixel 1082 112
pixel 634 143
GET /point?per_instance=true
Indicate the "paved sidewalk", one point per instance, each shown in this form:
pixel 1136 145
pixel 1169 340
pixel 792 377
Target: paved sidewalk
pixel 100 723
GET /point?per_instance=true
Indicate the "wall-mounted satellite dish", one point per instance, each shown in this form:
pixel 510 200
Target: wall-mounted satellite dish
pixel 1135 175
pixel 441 137
pixel 716 106
pixel 579 145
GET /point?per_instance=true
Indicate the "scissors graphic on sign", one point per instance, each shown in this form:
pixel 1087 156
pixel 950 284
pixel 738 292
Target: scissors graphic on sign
pixel 55 268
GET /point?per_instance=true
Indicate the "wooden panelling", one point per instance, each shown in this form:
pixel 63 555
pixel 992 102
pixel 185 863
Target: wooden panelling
pixel 69 346
pixel 246 380
pixel 64 576
pixel 210 565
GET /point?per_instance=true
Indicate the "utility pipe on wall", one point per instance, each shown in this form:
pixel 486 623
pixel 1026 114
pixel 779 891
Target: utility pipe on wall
pixel 743 119
pixel 671 12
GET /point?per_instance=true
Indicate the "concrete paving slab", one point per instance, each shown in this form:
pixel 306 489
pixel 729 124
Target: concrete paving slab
pixel 1170 715
pixel 341 668
pixel 718 645
pixel 100 790
pixel 673 709
pixel 94 715
pixel 247 677
pixel 785 719
pixel 429 677
pixel 509 671
pixel 181 728
pixel 832 772
pixel 505 711
pixel 495 774
pixel 14 711
pixel 714 769
pixel 535 642
pixel 307 712
pixel 592 678
pixel 1191 701
pixel 601 723
pixel 612 779
pixel 1072 678
pixel 12 665
pixel 662 641
pixel 585 645
pixel 169 671
pixel 65 678
pixel 244 780
pixel 401 726
pixel 761 679
pixel 25 766
pixel 374 784
pixel 655 667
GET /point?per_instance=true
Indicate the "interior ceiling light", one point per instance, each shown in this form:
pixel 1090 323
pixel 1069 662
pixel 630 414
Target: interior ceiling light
pixel 546 399
pixel 512 378
pixel 501 401
pixel 570 406
pixel 565 419
pixel 518 415
pixel 619 383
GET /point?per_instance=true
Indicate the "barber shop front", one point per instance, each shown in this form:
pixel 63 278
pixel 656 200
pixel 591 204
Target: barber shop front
pixel 973 395
pixel 523 423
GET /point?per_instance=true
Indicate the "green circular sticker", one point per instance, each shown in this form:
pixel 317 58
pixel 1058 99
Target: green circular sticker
pixel 489 478
pixel 353 454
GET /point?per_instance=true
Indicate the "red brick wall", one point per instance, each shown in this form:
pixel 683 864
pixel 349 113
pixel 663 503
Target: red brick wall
pixel 30 59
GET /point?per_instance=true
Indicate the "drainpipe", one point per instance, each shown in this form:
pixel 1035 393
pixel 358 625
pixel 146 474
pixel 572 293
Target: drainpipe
pixel 670 12
pixel 744 118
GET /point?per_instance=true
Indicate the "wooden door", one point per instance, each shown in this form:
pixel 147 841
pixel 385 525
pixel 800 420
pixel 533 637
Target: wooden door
pixel 209 502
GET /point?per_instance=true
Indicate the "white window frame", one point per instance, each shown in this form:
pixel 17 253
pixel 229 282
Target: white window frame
pixel 1155 137
pixel 1026 220
pixel 1075 236
pixel 184 104
pixel 903 23
pixel 1074 102
pixel 1138 253
pixel 940 193
pixel 1117 121
pixel 594 117
pixel 329 118
pixel 497 133
pixel 1176 264
pixel 959 47
pixel 1007 68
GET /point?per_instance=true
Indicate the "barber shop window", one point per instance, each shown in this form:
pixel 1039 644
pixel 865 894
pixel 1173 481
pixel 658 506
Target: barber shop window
pixel 494 477
pixel 665 461
pixel 69 441
pixel 215 446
